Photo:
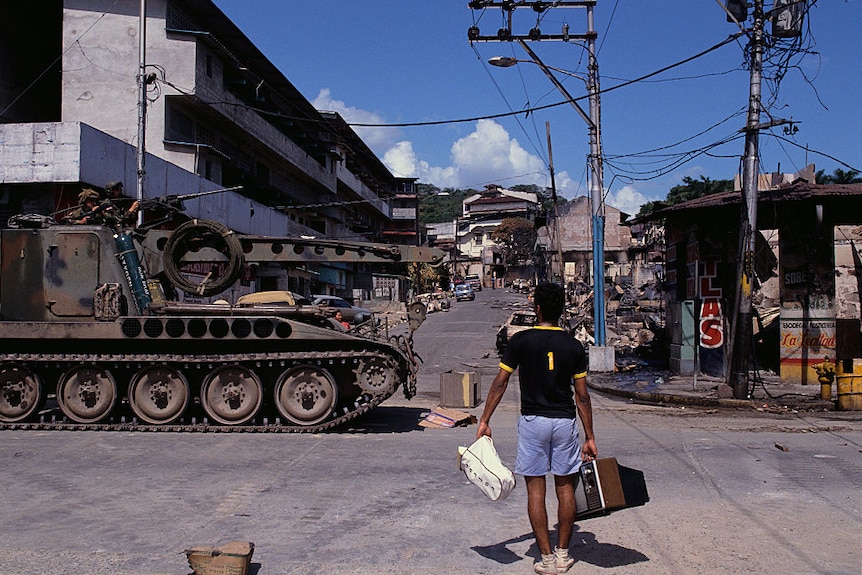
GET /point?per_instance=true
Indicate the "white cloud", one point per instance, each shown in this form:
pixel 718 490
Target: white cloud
pixel 402 161
pixel 487 155
pixel 490 154
pixel 627 199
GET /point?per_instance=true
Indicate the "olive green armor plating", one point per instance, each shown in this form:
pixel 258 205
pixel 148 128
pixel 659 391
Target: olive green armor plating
pixel 83 330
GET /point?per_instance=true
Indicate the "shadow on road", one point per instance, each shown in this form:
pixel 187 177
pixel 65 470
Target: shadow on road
pixel 586 548
pixel 500 552
pixel 583 548
pixel 386 419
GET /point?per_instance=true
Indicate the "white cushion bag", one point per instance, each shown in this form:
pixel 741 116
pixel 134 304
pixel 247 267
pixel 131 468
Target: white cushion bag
pixel 482 466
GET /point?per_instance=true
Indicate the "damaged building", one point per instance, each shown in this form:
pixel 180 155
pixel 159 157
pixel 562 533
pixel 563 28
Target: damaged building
pixel 633 268
pixel 807 267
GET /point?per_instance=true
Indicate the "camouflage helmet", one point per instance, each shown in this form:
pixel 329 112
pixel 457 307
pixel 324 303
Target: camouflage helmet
pixel 110 186
pixel 88 194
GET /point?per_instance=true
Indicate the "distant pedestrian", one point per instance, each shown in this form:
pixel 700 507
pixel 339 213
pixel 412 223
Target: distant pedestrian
pixel 548 441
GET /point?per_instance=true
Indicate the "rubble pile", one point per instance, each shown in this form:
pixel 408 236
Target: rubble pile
pixel 634 317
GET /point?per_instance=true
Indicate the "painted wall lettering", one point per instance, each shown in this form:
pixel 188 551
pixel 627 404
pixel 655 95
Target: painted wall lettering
pixel 711 325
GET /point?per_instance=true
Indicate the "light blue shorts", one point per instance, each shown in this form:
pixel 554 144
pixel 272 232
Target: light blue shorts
pixel 547 444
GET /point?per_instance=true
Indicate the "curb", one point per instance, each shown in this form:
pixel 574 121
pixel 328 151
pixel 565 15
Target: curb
pixel 654 397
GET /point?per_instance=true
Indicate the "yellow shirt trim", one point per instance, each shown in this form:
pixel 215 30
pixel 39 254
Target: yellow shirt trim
pixel 505 367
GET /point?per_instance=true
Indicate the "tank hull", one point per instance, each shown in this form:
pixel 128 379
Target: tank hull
pixel 88 340
pixel 192 372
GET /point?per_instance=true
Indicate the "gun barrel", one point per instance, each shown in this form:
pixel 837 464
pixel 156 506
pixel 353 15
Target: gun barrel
pixel 175 200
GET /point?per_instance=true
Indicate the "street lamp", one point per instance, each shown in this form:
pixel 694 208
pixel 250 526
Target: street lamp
pixel 595 159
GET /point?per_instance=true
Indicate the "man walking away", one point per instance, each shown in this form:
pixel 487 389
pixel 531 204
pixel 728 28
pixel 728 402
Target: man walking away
pixel 549 360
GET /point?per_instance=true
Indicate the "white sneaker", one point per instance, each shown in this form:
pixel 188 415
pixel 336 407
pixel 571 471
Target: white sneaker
pixel 547 566
pixel 562 560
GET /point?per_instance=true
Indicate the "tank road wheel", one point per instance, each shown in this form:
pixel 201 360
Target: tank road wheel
pixel 375 376
pixel 305 394
pixel 159 394
pixel 86 393
pixel 20 393
pixel 231 394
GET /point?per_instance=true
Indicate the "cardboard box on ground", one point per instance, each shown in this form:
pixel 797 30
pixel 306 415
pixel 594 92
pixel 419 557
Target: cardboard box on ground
pixel 460 388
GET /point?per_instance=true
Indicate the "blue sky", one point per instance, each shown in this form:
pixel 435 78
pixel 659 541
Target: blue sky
pixel 385 62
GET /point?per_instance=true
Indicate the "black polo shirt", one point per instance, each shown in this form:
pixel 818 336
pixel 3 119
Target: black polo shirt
pixel 548 359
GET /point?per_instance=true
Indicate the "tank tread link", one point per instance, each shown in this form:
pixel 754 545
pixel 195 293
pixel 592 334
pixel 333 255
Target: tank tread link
pixel 87 386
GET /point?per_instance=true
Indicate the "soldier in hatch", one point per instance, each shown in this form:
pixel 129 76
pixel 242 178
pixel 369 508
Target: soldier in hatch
pixel 114 194
pixel 91 211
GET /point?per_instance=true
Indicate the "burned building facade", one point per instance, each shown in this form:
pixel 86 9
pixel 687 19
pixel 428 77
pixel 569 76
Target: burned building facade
pixel 806 290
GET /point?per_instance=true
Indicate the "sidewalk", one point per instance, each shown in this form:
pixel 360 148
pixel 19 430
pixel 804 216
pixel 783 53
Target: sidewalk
pixel 769 394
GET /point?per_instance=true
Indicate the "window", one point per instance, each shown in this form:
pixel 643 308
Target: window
pixel 262 173
pixel 181 126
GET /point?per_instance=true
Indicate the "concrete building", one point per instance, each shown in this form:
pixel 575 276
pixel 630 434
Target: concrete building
pixel 468 239
pixel 575 236
pixel 219 114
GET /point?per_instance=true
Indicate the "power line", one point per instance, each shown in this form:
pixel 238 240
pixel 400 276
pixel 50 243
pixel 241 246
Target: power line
pixel 724 42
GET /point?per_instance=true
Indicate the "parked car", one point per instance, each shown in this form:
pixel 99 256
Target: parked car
pixel 521 285
pixel 518 321
pixel 475 281
pixel 435 301
pixel 463 292
pixel 272 298
pixel 283 304
pixel 351 313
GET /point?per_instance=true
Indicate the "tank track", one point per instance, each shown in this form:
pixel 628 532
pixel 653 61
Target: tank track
pixel 362 405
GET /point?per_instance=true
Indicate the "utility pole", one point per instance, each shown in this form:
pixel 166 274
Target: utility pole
pixel 142 105
pixel 596 190
pixel 600 359
pixel 741 330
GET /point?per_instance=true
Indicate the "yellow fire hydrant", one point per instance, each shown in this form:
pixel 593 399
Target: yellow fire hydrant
pixel 825 375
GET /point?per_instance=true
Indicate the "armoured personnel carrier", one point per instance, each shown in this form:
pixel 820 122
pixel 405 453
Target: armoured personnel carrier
pixel 84 323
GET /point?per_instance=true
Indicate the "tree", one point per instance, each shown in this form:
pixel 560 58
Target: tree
pixel 691 189
pixel 517 238
pixel 436 205
pixel 839 176
pixel 688 190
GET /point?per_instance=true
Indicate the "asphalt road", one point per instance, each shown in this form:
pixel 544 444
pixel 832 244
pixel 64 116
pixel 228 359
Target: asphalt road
pixel 730 491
